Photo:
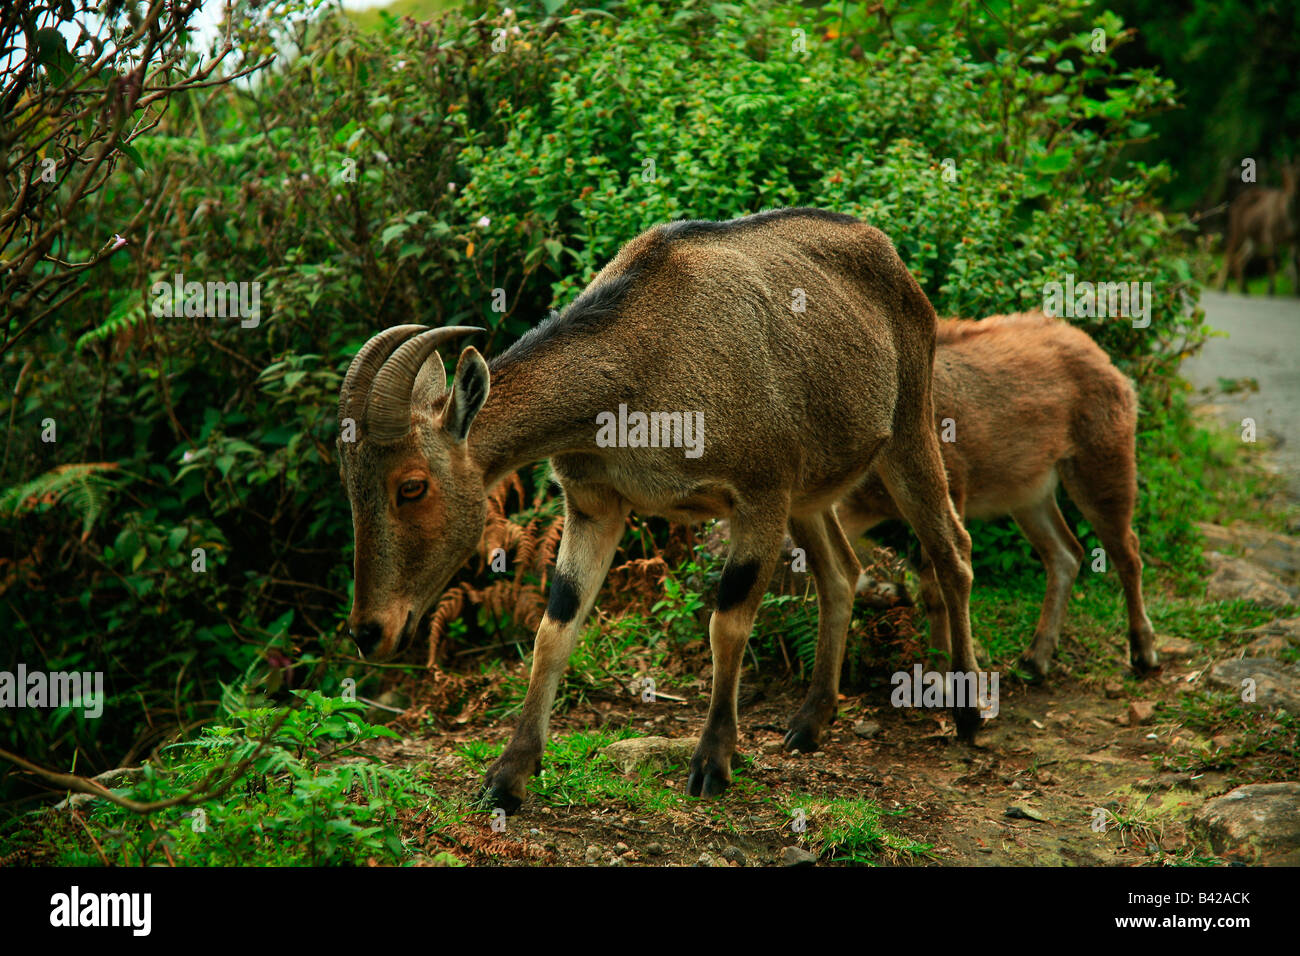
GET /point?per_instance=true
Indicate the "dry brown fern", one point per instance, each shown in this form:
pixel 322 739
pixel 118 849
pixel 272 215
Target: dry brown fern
pixel 528 541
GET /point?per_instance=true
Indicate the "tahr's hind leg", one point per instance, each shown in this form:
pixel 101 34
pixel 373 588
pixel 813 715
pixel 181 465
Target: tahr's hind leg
pixel 1105 490
pixel 913 471
pixel 835 569
pixel 1062 555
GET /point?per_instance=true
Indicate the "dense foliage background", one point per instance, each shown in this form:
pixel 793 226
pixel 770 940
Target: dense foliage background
pixel 402 174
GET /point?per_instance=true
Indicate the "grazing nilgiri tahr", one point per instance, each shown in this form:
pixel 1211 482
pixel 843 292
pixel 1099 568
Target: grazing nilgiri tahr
pixel 792 348
pixel 1264 222
pixel 1027 400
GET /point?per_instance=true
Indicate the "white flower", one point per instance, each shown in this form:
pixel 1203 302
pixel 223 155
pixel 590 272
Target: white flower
pixel 188 456
pixel 451 187
pixel 507 12
pixel 484 222
pixel 381 156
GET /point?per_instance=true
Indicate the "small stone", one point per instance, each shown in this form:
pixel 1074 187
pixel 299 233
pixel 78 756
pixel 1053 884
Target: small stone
pixel 734 854
pixel 1020 811
pixel 866 729
pixel 771 747
pixel 1223 741
pixel 621 848
pixel 617 861
pixel 593 855
pixel 1140 712
pixel 1114 690
pixel 655 849
pixel 797 856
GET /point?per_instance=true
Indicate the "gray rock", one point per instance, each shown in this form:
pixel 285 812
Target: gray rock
pixel 654 752
pixel 710 859
pixel 1022 811
pixel 1271 639
pixel 1259 822
pixel 1276 553
pixel 1238 579
pixel 1276 684
pixel 594 855
pixel 866 728
pixel 797 856
pixel 654 849
pixel 734 854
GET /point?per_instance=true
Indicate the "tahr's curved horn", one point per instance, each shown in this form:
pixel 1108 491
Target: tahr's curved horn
pixel 388 410
pixel 368 360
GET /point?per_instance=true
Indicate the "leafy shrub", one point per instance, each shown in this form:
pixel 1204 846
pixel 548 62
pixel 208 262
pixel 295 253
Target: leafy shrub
pixel 298 805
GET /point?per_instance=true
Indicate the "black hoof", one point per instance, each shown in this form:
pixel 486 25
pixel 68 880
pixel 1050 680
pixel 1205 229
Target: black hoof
pixel 491 796
pixel 801 738
pixel 1035 673
pixel 707 779
pixel 1142 669
pixel 968 721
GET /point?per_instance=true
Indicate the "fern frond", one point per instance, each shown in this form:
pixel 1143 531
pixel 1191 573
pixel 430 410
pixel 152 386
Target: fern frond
pixel 128 312
pixel 81 485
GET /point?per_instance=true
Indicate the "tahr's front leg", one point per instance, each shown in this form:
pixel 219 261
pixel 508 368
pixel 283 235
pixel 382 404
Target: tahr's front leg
pixel 593 525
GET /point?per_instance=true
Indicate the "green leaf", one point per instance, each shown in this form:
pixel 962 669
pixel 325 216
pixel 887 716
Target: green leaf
pixel 131 153
pixel 52 53
pixel 393 232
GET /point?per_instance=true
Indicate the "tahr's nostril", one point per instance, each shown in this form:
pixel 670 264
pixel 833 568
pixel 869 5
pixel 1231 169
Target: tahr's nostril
pixel 368 637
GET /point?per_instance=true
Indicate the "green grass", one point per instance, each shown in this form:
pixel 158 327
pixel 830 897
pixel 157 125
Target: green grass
pixel 853 831
pixel 1264 743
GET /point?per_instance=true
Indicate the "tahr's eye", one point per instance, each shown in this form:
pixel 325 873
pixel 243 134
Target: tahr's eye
pixel 411 490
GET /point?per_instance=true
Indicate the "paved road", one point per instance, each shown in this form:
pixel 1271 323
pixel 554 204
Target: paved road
pixel 1264 344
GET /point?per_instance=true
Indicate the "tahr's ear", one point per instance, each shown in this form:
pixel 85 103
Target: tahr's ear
pixel 469 390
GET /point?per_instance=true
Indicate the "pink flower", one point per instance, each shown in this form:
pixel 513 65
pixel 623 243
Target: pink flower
pixel 118 241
